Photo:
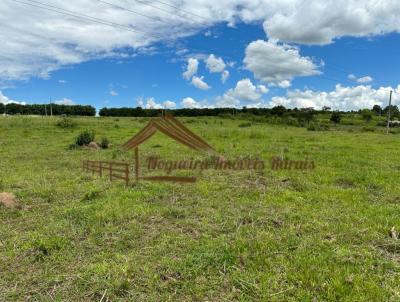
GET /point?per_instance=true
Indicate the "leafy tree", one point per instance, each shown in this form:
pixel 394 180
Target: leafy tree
pixel 366 115
pixel 335 117
pixel 278 110
pixel 377 109
pixel 394 111
pixel 84 138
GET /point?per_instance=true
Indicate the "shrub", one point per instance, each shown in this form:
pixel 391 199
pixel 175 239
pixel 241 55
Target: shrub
pixel 65 122
pixel 317 127
pixel 335 117
pixel 278 110
pixel 244 125
pixel 366 115
pixel 291 121
pixel 84 138
pixel 104 143
pixel 368 129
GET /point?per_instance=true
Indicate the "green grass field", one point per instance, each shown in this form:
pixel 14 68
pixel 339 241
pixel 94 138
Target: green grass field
pixel 317 235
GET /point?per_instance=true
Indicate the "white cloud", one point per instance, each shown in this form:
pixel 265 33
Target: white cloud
pixel 362 80
pixel 169 104
pixel 65 101
pixel 113 92
pixel 224 76
pixel 284 84
pixel 151 103
pixel 245 91
pixel 274 63
pixel 41 41
pixel 365 79
pixel 199 83
pixel 191 69
pixel 5 100
pixel 342 98
pixel 190 103
pixel 215 64
pixel 319 22
pixel 148 103
pixel 62 81
pixel 262 88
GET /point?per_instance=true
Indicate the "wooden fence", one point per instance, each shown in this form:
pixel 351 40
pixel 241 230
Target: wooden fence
pixel 103 167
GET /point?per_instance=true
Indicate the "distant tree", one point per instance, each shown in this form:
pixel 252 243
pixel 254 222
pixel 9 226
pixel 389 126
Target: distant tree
pixel 278 110
pixel 304 115
pixel 326 108
pixel 377 109
pixel 335 117
pixel 366 115
pixel 394 111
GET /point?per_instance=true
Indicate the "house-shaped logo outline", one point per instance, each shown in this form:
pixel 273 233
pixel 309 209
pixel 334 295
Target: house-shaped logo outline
pixel 174 129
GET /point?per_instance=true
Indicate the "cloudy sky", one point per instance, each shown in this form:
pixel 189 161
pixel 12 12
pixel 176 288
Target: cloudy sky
pixel 200 53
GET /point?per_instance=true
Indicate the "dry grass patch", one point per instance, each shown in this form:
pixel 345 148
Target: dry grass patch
pixel 8 200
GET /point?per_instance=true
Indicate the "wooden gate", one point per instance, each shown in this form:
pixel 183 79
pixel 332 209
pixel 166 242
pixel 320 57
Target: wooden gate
pixel 103 167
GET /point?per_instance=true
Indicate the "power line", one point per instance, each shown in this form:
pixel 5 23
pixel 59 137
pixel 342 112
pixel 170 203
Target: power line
pixel 74 14
pixel 164 10
pixel 185 11
pixel 132 11
pixel 82 16
pixel 66 12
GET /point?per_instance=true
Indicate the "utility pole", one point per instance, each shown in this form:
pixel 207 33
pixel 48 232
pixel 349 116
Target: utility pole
pixel 388 118
pixel 51 108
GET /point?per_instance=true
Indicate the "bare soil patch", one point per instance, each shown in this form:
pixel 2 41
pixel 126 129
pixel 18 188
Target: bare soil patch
pixel 8 200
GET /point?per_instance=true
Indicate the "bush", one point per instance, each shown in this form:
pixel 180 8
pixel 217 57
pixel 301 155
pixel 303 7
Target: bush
pixel 317 127
pixel 244 125
pixel 84 138
pixel 291 121
pixel 65 122
pixel 366 115
pixel 368 129
pixel 335 117
pixel 104 143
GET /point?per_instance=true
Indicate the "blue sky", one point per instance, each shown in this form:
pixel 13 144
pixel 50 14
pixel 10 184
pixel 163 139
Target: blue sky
pixel 332 67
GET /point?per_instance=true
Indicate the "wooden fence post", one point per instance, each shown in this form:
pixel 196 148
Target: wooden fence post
pixel 137 164
pixel 126 174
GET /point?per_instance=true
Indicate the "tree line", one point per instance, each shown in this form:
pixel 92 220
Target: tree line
pixel 141 112
pixel 281 111
pixel 305 114
pixel 47 109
